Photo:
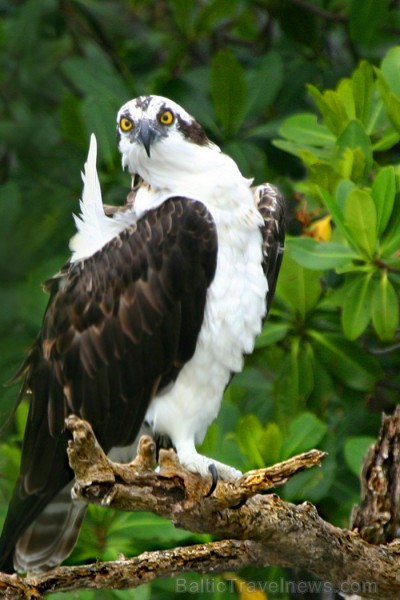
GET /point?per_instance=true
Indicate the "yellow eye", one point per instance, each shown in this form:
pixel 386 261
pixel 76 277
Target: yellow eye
pixel 166 117
pixel 125 124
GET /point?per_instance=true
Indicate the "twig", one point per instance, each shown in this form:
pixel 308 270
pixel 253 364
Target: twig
pixel 320 12
pixel 130 573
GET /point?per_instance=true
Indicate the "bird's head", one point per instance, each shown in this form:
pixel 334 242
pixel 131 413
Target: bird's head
pixel 155 133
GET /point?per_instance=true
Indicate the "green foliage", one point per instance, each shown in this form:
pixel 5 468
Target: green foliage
pixel 355 451
pixel 360 195
pixel 228 91
pixel 305 101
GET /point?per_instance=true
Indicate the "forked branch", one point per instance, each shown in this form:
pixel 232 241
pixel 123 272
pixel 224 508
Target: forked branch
pixel 256 529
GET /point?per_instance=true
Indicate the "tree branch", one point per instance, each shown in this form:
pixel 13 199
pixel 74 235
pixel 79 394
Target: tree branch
pixel 130 573
pixel 320 12
pixel 256 530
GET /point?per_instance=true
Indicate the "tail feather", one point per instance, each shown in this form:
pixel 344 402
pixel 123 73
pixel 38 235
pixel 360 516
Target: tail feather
pixel 23 509
pixel 40 532
pixel 50 539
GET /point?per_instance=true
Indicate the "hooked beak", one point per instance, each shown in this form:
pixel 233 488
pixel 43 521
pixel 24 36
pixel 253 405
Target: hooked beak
pixel 147 134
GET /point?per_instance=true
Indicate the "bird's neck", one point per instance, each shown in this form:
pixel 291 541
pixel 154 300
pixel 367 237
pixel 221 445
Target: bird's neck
pixel 204 174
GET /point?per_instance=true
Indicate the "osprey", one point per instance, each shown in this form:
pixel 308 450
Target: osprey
pixel 148 320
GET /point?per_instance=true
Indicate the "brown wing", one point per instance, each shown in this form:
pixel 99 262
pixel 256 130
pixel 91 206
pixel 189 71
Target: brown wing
pixel 118 326
pixel 271 205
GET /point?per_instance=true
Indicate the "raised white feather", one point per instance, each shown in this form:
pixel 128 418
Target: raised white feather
pixel 94 228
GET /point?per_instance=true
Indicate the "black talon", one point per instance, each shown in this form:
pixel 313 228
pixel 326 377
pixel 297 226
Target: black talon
pixel 163 442
pixel 214 474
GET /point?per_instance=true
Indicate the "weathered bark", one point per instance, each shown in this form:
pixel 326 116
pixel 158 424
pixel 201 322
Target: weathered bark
pixel 377 517
pixel 129 573
pixel 257 529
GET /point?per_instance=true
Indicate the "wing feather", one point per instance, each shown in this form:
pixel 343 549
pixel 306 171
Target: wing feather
pixel 271 205
pixel 118 327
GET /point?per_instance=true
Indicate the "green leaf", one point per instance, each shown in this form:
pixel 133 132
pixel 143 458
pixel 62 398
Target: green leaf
pixel 386 140
pixel 97 114
pixel 21 418
pixel 390 241
pixel 385 308
pixel 145 526
pixel 271 444
pixel 366 19
pixel 356 311
pixel 10 458
pixel 142 592
pixel 342 191
pixel 8 402
pixel 383 194
pixel 296 23
pixel 10 209
pixel 344 91
pixel 211 13
pixel 335 210
pixel 355 451
pixel 304 129
pixel 390 69
pixel 355 137
pixel 299 288
pixel 319 255
pixel 323 175
pixel 272 332
pixel 352 164
pixel 346 360
pixel 313 484
pixel 360 218
pixel 264 83
pixel 390 100
pixel 302 363
pixel 295 377
pixel 182 13
pixel 249 434
pixel 363 85
pixel 331 107
pixel 308 155
pixel 95 75
pixel 72 123
pixel 264 132
pixel 228 90
pixel 305 433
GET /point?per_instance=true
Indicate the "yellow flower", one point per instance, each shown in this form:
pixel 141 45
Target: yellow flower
pixel 321 229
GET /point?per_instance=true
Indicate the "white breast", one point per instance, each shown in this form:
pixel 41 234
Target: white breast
pixel 236 304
